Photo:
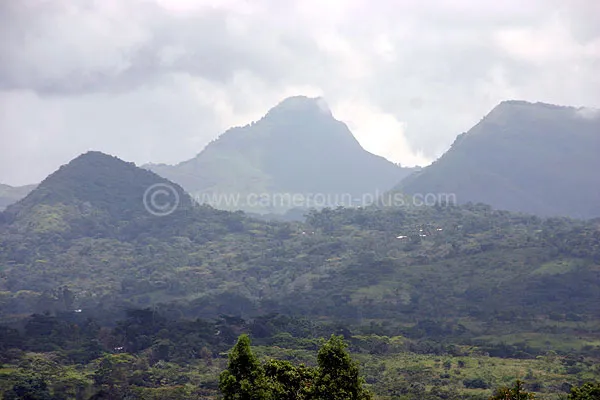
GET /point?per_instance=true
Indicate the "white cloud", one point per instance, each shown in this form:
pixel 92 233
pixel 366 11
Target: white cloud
pixel 549 43
pixel 157 80
pixel 588 113
pixel 378 132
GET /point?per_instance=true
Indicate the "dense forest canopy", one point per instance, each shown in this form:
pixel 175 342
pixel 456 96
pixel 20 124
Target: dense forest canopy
pixel 339 200
pixel 99 296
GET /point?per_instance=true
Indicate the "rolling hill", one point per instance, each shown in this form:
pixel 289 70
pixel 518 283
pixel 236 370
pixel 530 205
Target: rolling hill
pixel 95 193
pixel 107 277
pixel 86 227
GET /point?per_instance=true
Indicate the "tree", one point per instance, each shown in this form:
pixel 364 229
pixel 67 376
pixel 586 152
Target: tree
pixel 244 378
pixel 515 393
pixel 29 388
pixel 337 376
pixel 588 391
pixel 289 382
pixel 112 375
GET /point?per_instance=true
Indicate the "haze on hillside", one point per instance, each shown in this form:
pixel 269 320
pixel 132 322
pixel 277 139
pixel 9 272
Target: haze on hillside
pixel 530 157
pixel 534 158
pixel 297 148
pixel 299 200
pixel 10 194
pixel 156 81
pixel 88 264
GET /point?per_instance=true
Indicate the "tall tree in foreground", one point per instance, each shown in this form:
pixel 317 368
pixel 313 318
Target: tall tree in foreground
pixel 514 393
pixel 337 376
pixel 244 378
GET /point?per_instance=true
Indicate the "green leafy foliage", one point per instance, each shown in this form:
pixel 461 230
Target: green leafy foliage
pixel 337 376
pixel 103 300
pixel 517 392
pixel 244 378
pixel 29 389
pixel 588 391
pixel 148 354
pixel 288 381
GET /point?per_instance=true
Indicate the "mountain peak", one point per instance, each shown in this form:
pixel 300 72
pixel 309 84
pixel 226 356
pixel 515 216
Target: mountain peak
pixel 97 158
pixel 530 105
pixel 298 147
pixel 301 104
pixel 524 112
pixel 95 180
pixel 529 157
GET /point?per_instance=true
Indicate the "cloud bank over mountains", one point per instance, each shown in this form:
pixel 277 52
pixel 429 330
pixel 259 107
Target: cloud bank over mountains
pixel 157 80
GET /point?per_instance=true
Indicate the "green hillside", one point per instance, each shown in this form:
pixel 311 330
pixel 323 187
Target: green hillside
pixel 297 148
pixel 534 158
pixel 441 302
pixel 396 263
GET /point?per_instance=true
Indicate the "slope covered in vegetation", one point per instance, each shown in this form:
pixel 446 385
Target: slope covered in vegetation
pixel 535 158
pixel 436 301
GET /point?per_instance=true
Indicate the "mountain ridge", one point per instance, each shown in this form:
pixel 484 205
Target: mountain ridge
pixel 529 157
pixel 297 147
pixel 11 194
pixel 87 227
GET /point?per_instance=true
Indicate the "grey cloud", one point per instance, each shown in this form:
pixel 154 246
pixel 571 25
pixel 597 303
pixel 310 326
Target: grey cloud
pixel 200 44
pixel 451 67
pixel 149 84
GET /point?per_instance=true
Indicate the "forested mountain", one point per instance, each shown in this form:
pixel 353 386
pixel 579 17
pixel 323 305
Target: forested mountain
pixel 298 147
pixel 535 158
pixel 94 195
pixel 419 292
pixel 12 194
pixel 86 226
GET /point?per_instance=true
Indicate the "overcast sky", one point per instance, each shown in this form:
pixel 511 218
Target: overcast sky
pixel 156 80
